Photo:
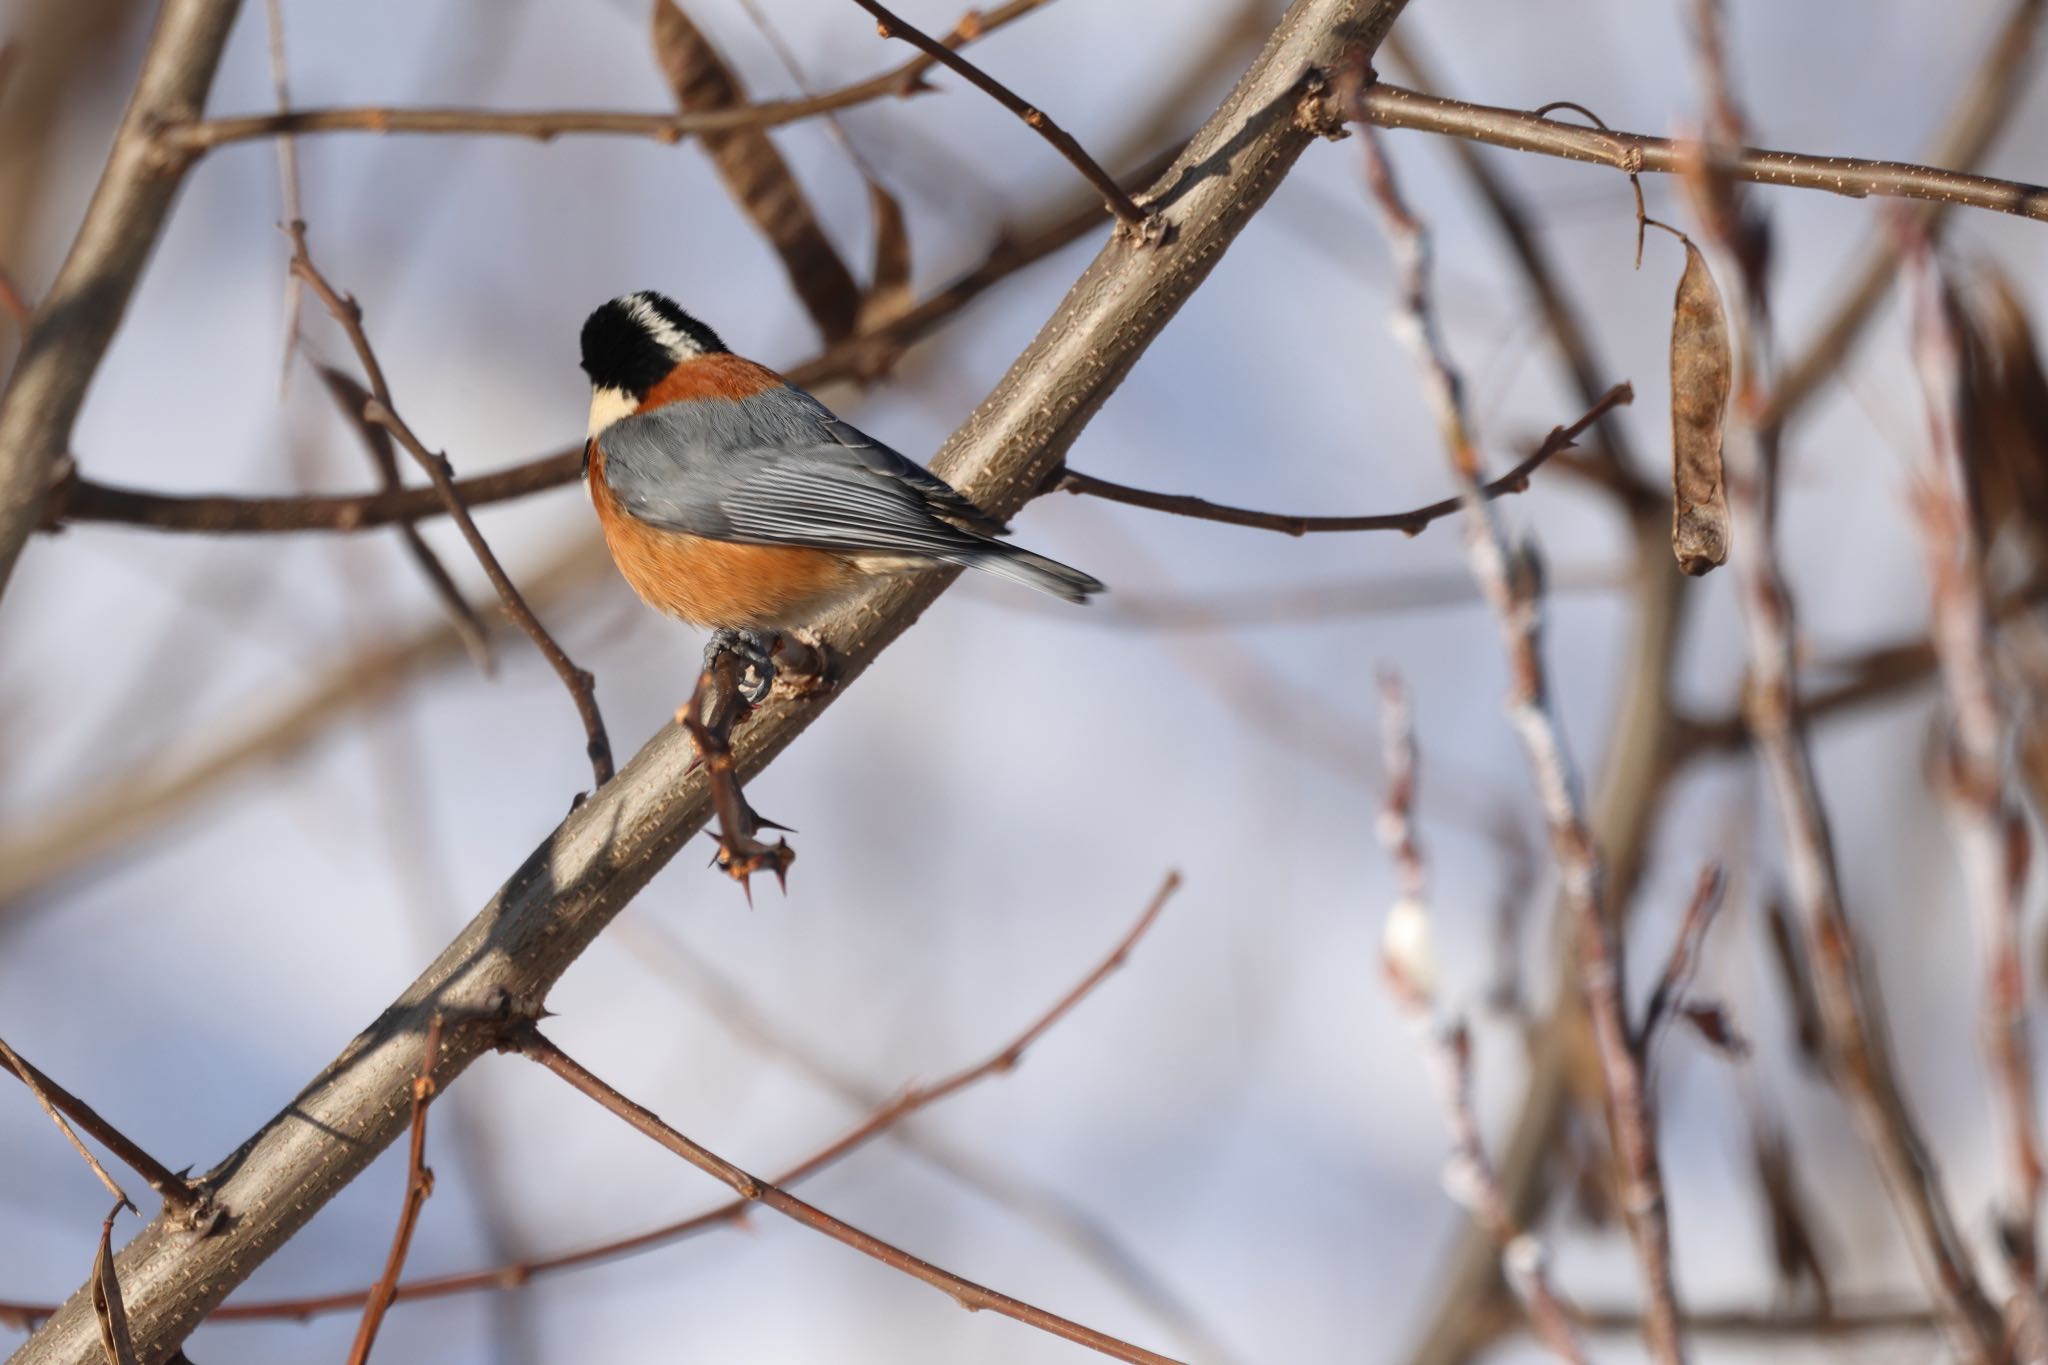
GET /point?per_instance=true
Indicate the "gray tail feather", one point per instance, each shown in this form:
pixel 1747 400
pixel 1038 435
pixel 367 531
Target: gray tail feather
pixel 1033 571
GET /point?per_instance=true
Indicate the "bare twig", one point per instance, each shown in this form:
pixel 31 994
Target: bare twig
pixel 1390 106
pixel 1988 100
pixel 1411 522
pixel 354 400
pixel 586 871
pixel 33 1080
pixel 1993 841
pixel 288 190
pixel 740 854
pixel 1405 960
pixel 190 136
pixel 885 1119
pixel 55 1100
pixel 419 1185
pixel 1878 674
pixel 1120 203
pixel 1775 1326
pixel 529 1043
pixel 1651 740
pixel 102 819
pixel 1065 1217
pixel 1679 967
pixel 1561 317
pixel 1508 582
pixel 1859 1051
pixel 80 499
pixel 77 317
pixel 380 412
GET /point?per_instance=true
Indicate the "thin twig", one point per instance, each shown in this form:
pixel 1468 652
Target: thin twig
pixel 171 1187
pixel 884 1119
pixel 1120 203
pixel 1870 676
pixel 287 185
pixel 1411 522
pixel 740 854
pixel 1774 1326
pixel 1562 318
pixel 1993 841
pixel 354 400
pixel 419 1185
pixel 1684 959
pixel 1390 106
pixel 379 411
pixel 82 500
pixel 1989 99
pixel 196 136
pixel 1405 961
pixel 1859 1050
pixel 33 1080
pixel 1651 741
pixel 1508 581
pixel 529 1042
pixel 129 806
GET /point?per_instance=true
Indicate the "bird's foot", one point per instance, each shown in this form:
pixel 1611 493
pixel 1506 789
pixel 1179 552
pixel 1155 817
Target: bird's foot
pixel 755 649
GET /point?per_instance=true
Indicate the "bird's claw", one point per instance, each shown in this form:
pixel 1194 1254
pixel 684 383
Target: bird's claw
pixel 756 652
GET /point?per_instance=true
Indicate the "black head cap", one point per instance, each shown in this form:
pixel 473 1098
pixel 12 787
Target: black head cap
pixel 632 342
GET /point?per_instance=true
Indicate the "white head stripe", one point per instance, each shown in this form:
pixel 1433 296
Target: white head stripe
pixel 664 333
pixel 608 406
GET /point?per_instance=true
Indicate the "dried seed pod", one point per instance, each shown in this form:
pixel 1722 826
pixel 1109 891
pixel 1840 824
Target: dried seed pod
pixel 755 174
pixel 1701 364
pixel 888 296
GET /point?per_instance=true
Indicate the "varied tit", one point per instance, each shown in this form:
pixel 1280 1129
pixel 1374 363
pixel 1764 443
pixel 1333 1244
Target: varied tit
pixel 731 499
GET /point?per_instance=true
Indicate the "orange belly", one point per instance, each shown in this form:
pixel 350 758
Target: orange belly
pixel 714 582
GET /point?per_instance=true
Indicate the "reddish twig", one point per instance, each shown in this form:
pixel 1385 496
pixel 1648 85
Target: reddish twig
pixel 1858 1049
pixel 740 854
pixel 1411 522
pixel 529 1042
pixel 1508 581
pixel 1390 106
pixel 419 1184
pixel 1683 962
pixel 172 1188
pixel 1405 960
pixel 1992 835
pixel 889 1116
pixel 379 411
pixel 1120 203
pixel 33 1080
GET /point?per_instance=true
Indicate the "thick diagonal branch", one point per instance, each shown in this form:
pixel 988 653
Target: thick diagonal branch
pixel 583 874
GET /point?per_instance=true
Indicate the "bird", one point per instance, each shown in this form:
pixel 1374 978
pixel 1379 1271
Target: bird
pixel 732 499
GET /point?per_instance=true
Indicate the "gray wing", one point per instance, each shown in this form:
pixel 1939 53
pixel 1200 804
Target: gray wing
pixel 779 469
